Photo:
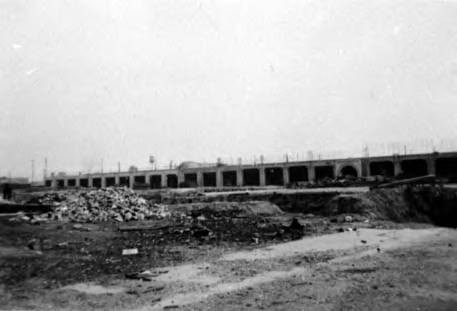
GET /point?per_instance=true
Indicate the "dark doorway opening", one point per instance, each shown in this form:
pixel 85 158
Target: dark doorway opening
pixel 155 181
pixel 84 182
pixel 71 182
pixel 414 168
pixel 447 168
pixel 383 168
pixel 97 182
pixel 229 178
pixel 139 182
pixel 323 172
pixel 172 181
pixel 60 183
pixel 274 176
pixel 298 174
pixel 48 183
pixel 190 180
pixel 209 179
pixel 124 181
pixel 348 170
pixel 251 177
pixel 110 181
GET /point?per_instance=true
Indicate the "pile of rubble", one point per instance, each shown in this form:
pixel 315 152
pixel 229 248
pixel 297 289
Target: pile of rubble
pixel 118 204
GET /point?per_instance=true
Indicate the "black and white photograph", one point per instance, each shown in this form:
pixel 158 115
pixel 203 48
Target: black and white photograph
pixel 228 155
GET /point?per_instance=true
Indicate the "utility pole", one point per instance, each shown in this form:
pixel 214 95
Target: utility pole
pixel 101 163
pixel 33 169
pixel 45 171
pixel 366 151
pixel 118 167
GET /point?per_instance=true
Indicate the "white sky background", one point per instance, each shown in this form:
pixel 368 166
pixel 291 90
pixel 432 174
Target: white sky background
pixel 195 80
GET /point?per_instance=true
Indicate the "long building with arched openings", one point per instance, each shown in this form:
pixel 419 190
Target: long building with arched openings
pixel 443 165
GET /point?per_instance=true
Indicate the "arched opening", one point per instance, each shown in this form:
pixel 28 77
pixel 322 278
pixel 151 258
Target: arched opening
pixel 323 172
pixel 447 168
pixel 190 180
pixel 274 176
pixel 414 168
pixel 124 181
pixel 110 181
pixel 209 179
pixel 348 170
pixel 229 178
pixel 155 181
pixel 97 182
pixel 60 183
pixel 141 179
pixel 172 181
pixel 251 177
pixel 298 174
pixel 383 168
pixel 84 182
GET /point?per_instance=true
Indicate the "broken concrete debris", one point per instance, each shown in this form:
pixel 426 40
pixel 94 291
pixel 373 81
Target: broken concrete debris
pixel 107 204
pixel 130 251
pixel 39 244
pixel 146 275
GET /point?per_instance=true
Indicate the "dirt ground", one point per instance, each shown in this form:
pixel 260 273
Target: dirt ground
pixel 374 250
pixel 83 269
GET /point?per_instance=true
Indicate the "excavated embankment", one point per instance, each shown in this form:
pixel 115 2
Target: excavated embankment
pixel 435 205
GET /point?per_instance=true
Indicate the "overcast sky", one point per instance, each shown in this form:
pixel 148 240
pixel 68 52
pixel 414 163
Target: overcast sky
pixel 195 80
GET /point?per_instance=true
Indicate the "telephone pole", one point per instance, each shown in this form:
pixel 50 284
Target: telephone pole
pixel 45 171
pixel 33 170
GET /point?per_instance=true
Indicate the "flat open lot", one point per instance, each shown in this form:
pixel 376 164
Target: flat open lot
pixel 377 250
pixel 377 269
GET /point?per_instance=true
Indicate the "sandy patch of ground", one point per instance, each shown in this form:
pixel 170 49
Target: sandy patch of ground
pixel 348 245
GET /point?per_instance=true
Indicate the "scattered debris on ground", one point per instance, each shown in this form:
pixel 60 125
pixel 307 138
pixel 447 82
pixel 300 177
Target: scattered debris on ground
pixel 107 204
pixel 101 235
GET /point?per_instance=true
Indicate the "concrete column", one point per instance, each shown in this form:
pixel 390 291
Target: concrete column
pixel 262 176
pixel 148 179
pixel 163 180
pixel 90 182
pixel 239 177
pixel 78 181
pixel 397 167
pixel 431 167
pixel 117 180
pixel 219 179
pixel 131 181
pixel 367 169
pixel 200 179
pixel 65 183
pixel 180 178
pixel 103 181
pixel 311 173
pixel 285 175
pixel 336 170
